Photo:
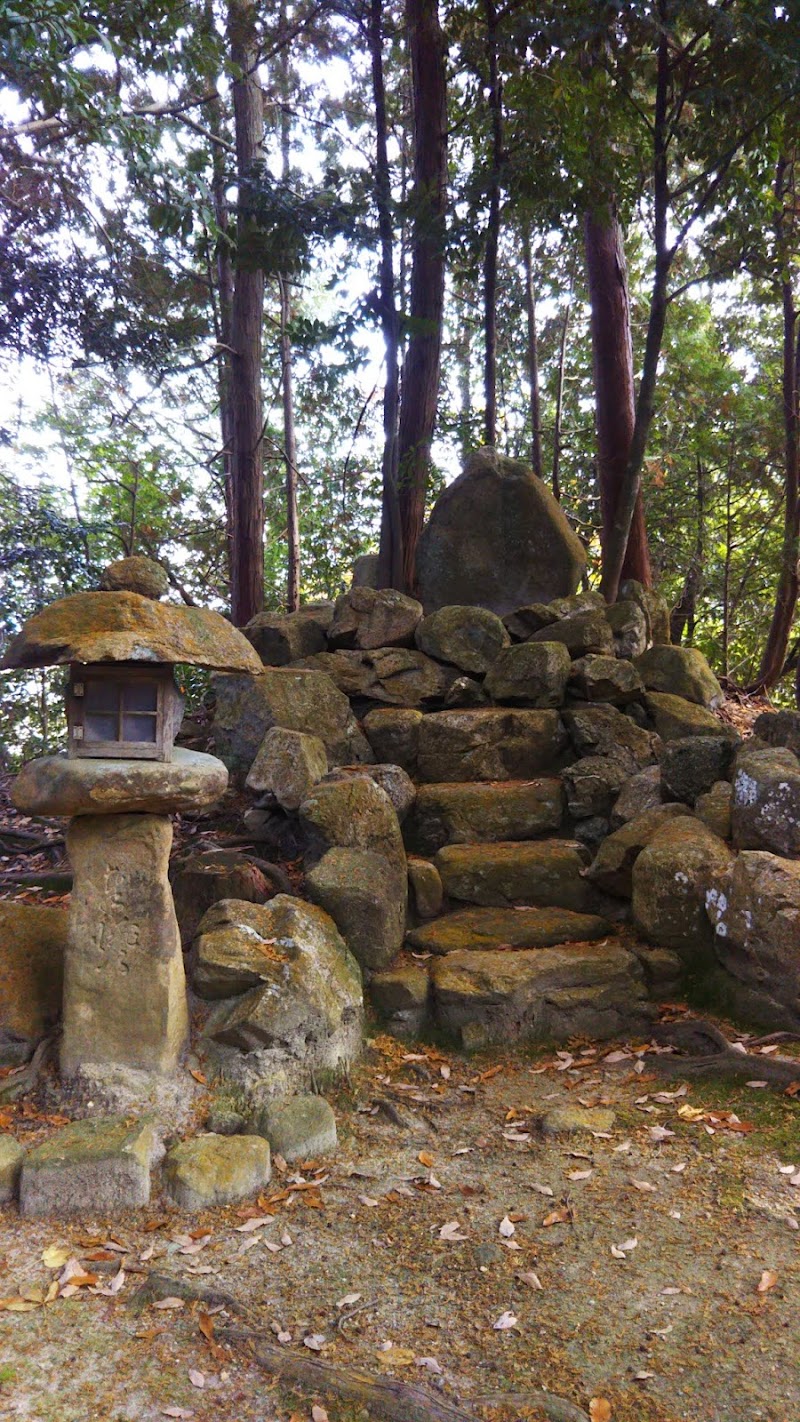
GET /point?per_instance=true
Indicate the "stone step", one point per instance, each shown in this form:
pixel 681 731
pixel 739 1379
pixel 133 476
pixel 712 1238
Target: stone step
pixel 546 873
pixel 592 989
pixel 467 813
pixel 489 743
pixel 498 929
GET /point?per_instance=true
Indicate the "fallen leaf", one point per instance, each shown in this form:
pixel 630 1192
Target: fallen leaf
pixel 318 1414
pixel 369 1201
pixel 506 1320
pixel 176 1412
pixel 579 1174
pixel 452 1232
pixel 257 1222
pixel 314 1341
pixel 767 1281
pixel 560 1215
pixel 643 1185
pixel 348 1300
pixel 17 1305
pixel 196 1378
pixel 431 1364
pixel 506 1228
pixel 198 1076
pixel 532 1280
pixel 170 1303
pixel 425 1158
pixel 600 1410
pixel 55 1256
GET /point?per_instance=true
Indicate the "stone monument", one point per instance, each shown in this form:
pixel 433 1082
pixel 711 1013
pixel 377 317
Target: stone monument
pixel 119 781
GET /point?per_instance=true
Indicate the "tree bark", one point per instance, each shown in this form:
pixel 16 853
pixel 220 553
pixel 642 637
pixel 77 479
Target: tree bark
pixel 562 361
pixel 774 655
pixel 612 354
pixel 420 382
pixel 494 99
pixel 534 405
pixel 287 384
pixel 684 611
pixel 247 314
pixel 390 557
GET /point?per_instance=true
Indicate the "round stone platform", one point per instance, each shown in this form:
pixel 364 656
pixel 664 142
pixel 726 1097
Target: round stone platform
pixel 57 785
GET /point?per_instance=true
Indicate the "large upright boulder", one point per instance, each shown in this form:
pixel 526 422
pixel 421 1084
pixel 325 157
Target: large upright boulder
pixel 497 538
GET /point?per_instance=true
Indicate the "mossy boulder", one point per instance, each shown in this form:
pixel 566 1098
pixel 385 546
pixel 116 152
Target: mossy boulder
pixel 394 676
pixel 393 735
pixel 287 766
pixel 612 867
pixel 580 633
pixel 99 1166
pixel 212 1170
pixel 366 895
pixel 301 1127
pixel 755 910
pixel 674 717
pixel 765 809
pixel 671 878
pixel 543 872
pixel 489 744
pixel 300 700
pixel 470 813
pixel 200 880
pixel 680 671
pixel 12 1155
pixel 466 637
pixel 714 808
pixel 281 638
pixel 599 678
pixel 136 574
pixel 368 618
pixel 530 674
pixel 692 764
pixel 605 731
pixel 483 929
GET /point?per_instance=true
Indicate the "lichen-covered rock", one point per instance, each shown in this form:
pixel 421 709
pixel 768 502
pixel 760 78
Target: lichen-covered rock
pixel 630 628
pixel 592 785
pixel 396 676
pixel 366 895
pixel 691 765
pixel 280 638
pixel 524 621
pixel 99 1166
pixel 287 766
pixel 575 1120
pixel 605 731
pixel 547 873
pixel 640 792
pixel 581 633
pixel 612 867
pixel 714 808
pixel 393 735
pixel 309 1004
pixel 126 627
pixel 466 637
pixel 755 909
pixel 597 678
pixel 467 813
pixel 779 728
pixel 12 1155
pixel 353 813
pixel 212 1170
pixel 202 879
pixel 32 946
pixel 552 993
pixel 497 538
pixel 300 1127
pixel 374 617
pixel 465 691
pixel 530 674
pixel 680 671
pixel 237 946
pixel 671 878
pixel 137 574
pixel 765 810
pixel 59 785
pixel 490 744
pixel 401 995
pixel 654 607
pixel 500 929
pixel 392 779
pixel 674 717
pixel 425 887
pixel 300 700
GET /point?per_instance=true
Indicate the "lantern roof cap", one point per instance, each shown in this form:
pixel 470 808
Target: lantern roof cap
pixel 122 626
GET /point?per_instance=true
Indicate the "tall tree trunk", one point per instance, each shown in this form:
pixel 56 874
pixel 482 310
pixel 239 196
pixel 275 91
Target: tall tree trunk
pixel 612 354
pixel 223 318
pixel 247 314
pixel 420 382
pixel 287 384
pixel 495 102
pixel 390 557
pixel 774 656
pixel 628 490
pixel 684 611
pixel 562 361
pixel 532 356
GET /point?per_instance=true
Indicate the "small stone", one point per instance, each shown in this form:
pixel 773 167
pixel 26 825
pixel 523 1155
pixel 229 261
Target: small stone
pixel 216 1170
pixel 466 637
pixel 138 575
pixel 680 671
pixel 11 1158
pixel 592 785
pixel 596 678
pixel 225 1121
pixel 401 994
pixel 392 779
pixel 297 1127
pixel 93 1167
pixel 369 618
pixel 714 808
pixel 529 674
pixel 524 621
pixel 426 887
pixel 283 638
pixel 287 766
pixel 691 765
pixel 571 1120
pixel 629 626
pixel 640 792
pixel 464 691
pixel 57 785
pixel 581 633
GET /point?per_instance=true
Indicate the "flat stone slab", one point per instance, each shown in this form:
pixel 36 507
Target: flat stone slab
pixel 91 1167
pixel 216 1170
pixel 126 627
pixel 498 928
pixel 546 873
pixel 464 813
pixel 488 743
pixel 297 1127
pixel 56 785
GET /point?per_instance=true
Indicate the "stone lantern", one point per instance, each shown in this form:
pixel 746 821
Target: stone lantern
pixel 118 782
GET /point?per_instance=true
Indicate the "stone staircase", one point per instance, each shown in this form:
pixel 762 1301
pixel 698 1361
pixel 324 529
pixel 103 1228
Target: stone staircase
pixel 523 944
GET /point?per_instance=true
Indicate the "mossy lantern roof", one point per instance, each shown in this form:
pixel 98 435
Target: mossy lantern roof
pixel 121 625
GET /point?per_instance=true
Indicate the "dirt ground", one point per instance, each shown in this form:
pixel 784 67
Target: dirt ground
pixel 647 1273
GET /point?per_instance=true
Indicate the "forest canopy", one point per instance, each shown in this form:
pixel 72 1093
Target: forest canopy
pixel 268 274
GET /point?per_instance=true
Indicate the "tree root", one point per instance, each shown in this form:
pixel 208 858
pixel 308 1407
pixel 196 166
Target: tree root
pixel 386 1398
pixel 20 1082
pixel 40 879
pixel 697 1032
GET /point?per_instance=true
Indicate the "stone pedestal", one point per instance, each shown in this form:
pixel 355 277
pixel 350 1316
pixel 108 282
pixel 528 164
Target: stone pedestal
pixel 124 985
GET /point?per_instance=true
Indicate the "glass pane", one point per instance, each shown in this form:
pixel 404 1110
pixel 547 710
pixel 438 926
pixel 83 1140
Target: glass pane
pixel 138 728
pixel 140 696
pixel 101 695
pixel 98 727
